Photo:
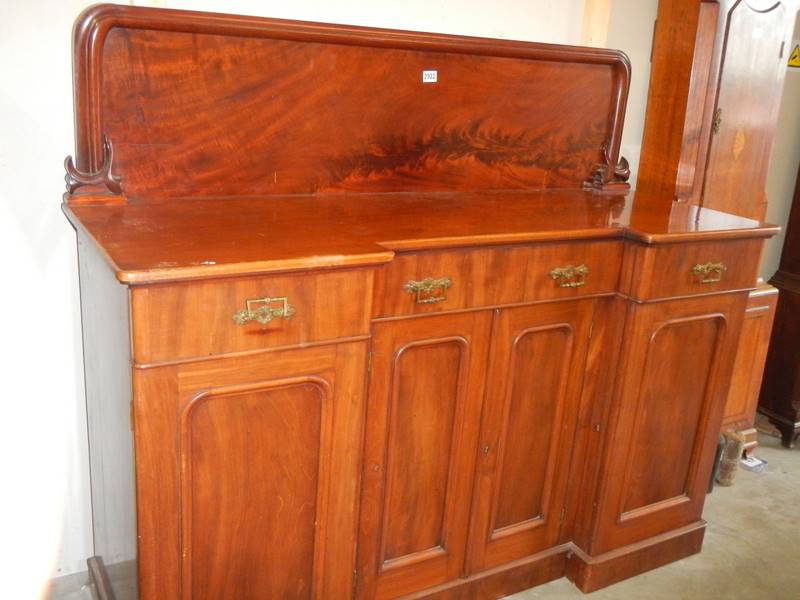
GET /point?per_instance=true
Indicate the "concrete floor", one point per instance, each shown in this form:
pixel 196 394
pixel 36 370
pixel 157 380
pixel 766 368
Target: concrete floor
pixel 751 548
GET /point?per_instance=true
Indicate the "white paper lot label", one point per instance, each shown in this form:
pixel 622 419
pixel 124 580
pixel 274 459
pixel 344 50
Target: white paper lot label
pixel 430 76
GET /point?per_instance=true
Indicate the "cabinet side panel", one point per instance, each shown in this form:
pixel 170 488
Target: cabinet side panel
pixel 748 370
pixel 107 367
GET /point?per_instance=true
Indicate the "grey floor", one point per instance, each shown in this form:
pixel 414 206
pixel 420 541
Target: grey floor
pixel 751 549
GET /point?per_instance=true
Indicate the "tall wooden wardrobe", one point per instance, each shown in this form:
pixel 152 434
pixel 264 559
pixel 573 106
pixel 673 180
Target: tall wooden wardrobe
pixel 718 69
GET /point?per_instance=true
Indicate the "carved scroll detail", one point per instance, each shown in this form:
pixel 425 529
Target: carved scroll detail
pixel 610 176
pixel 102 181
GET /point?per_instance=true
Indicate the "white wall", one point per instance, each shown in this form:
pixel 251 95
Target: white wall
pixel 783 166
pixel 45 518
pixel 630 28
pixel 556 21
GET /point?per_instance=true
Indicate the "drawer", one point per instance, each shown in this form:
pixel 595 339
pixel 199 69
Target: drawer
pixel 194 319
pixel 685 269
pixel 443 280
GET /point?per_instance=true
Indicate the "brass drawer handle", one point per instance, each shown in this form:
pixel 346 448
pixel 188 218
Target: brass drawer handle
pixel 429 290
pixel 270 308
pixel 710 272
pixel 570 276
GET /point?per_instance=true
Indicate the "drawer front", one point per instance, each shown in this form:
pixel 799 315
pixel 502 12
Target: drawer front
pixel 454 279
pixel 675 270
pixel 202 318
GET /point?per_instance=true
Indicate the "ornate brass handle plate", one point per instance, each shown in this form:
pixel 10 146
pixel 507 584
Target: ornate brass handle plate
pixel 710 272
pixel 263 310
pixel 429 290
pixel 570 276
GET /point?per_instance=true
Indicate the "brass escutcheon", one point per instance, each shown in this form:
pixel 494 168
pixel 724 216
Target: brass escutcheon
pixel 716 123
pixel 710 272
pixel 570 276
pixel 429 290
pixel 266 312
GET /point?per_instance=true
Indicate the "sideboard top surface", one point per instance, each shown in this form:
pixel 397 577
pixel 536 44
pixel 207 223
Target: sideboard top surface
pixel 186 239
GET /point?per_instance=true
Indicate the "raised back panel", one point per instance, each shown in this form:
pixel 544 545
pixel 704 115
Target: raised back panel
pixel 195 104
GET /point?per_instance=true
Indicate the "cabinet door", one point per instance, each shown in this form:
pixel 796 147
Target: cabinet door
pixel 538 356
pixel 424 406
pixel 755 44
pixel 265 451
pixel 675 369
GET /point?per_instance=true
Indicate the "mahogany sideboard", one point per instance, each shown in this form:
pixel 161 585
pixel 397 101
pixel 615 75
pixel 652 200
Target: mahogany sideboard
pixel 373 314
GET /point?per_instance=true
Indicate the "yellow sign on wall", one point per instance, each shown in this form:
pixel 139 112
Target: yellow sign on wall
pixel 794 56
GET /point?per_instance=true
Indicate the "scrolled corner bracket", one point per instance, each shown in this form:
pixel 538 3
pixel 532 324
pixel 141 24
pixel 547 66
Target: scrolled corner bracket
pixel 610 176
pixel 99 182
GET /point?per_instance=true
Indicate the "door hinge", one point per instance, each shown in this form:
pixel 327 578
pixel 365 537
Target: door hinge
pixel 369 362
pixel 591 329
pixel 563 514
pixel 355 582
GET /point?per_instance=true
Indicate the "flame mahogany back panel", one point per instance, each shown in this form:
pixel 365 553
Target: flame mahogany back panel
pixel 200 108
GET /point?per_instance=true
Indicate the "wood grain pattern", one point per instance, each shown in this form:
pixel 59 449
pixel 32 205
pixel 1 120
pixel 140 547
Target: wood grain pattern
pixel 731 48
pixel 591 573
pixel 227 452
pixel 699 108
pixel 670 72
pixel 593 420
pixel 496 276
pixel 190 320
pixel 158 511
pixel 419 445
pixel 502 581
pixel 751 355
pixel 533 388
pixel 228 237
pixel 652 476
pixel 252 111
pixel 739 152
pixel 666 271
pixel 678 357
pixel 241 511
pixel 425 397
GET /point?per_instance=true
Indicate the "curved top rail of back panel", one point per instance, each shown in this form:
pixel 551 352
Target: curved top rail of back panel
pixel 174 104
